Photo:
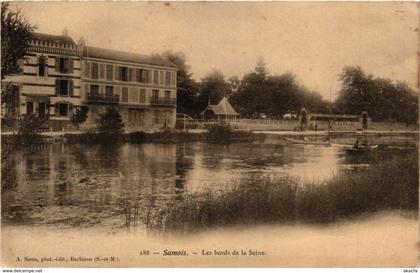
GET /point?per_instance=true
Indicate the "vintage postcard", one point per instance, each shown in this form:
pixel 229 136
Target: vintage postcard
pixel 209 134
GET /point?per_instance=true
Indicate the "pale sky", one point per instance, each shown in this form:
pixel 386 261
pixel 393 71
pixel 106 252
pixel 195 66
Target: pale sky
pixel 313 40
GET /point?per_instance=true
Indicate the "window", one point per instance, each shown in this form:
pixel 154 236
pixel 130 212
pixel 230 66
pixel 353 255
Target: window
pixel 41 109
pixel 124 73
pixel 144 75
pixel 155 95
pixel 109 91
pixel 86 72
pixel 29 107
pixel 173 79
pixel 109 72
pixel 63 109
pixel 142 98
pixel 64 65
pixel 133 74
pixel 162 77
pixel 124 95
pixel 167 96
pixel 94 90
pixel 155 77
pixel 133 95
pixel 42 67
pixel 64 88
pixel 167 78
pixel 138 75
pixel 95 71
pixel 102 71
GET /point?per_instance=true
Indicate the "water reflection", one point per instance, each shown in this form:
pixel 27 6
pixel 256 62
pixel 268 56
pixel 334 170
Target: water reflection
pixel 80 185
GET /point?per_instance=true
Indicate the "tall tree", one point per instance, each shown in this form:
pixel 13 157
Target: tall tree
pixel 15 37
pixel 249 100
pixel 234 83
pixel 261 94
pixel 261 69
pixel 383 99
pixel 187 88
pixel 213 88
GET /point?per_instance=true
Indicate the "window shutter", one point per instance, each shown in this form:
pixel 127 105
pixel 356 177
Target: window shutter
pixel 57 87
pixel 57 109
pixel 155 77
pixel 57 64
pixel 102 71
pixel 71 87
pixel 117 90
pixel 101 89
pixel 138 75
pixel 71 65
pixel 174 78
pixel 87 69
pixel 70 110
pixel 133 74
pixel 116 73
pixel 149 76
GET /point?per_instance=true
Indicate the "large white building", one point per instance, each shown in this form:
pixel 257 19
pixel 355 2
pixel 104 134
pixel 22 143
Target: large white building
pixel 143 87
pixel 58 75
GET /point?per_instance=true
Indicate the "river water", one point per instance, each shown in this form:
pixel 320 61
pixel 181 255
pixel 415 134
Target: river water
pixel 73 185
pixel 71 200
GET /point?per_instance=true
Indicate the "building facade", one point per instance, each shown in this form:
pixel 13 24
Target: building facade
pixel 49 85
pixel 59 75
pixel 143 88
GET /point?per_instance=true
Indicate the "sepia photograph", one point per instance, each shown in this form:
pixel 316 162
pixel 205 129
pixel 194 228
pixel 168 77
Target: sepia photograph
pixel 140 134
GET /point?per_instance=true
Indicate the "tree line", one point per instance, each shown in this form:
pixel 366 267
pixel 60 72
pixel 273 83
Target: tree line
pixel 383 99
pixel 260 94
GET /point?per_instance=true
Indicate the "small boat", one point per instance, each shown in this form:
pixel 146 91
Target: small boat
pixel 303 141
pixel 342 145
pixel 361 149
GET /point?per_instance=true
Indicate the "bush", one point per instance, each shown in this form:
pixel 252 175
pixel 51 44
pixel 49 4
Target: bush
pixel 219 133
pixel 29 129
pixel 80 115
pixel 8 164
pixel 136 137
pixel 110 124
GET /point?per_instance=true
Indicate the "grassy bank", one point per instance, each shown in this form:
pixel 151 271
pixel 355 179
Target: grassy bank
pixel 216 135
pixel 389 184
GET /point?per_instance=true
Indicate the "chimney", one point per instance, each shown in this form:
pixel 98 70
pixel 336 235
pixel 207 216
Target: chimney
pixel 81 44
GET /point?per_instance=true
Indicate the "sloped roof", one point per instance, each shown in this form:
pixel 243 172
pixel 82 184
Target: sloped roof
pixel 115 55
pixel 223 108
pixel 59 39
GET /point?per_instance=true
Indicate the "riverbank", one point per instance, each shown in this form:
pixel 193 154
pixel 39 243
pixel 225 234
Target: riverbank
pixel 391 182
pixel 177 136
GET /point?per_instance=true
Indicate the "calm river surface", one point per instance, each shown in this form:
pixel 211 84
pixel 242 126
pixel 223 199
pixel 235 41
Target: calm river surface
pixel 71 185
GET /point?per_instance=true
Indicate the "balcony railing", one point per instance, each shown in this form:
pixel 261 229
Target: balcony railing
pixel 102 98
pixel 163 101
